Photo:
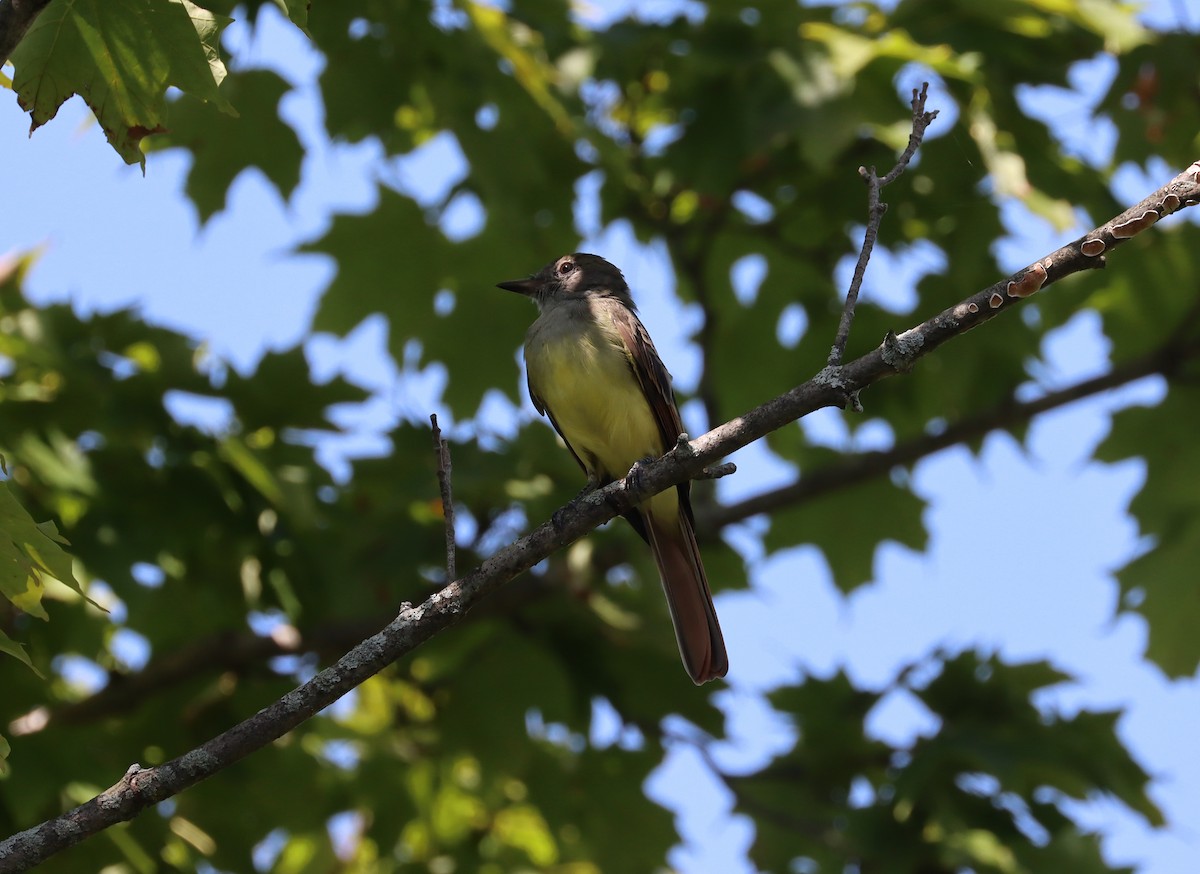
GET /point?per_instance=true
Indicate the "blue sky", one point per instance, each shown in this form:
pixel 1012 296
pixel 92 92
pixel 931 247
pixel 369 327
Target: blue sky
pixel 113 238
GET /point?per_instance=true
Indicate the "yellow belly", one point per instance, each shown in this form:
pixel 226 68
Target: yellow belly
pixel 586 384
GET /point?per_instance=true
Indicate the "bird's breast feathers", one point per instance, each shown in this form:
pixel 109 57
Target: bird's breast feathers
pixel 580 370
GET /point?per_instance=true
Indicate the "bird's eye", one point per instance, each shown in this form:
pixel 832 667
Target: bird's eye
pixel 566 267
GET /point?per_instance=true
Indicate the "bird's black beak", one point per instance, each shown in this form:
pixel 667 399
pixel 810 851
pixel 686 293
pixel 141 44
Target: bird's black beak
pixel 520 286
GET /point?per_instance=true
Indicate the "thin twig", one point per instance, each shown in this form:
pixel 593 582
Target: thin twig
pixel 875 210
pixel 442 450
pixel 717 471
pixel 414 625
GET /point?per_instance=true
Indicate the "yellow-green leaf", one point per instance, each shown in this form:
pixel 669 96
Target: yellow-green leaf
pixel 120 56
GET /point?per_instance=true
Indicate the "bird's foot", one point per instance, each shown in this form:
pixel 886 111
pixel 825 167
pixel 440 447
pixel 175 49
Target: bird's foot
pixel 633 479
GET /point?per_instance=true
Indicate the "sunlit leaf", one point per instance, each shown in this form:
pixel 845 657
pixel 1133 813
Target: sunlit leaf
pixel 120 56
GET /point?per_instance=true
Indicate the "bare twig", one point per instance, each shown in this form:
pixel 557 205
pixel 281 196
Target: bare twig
pixel 717 471
pixel 875 210
pixel 16 16
pixel 141 788
pixel 442 449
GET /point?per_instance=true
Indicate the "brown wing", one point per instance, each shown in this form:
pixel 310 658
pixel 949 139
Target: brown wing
pixel 655 381
pixel 701 644
pixel 650 372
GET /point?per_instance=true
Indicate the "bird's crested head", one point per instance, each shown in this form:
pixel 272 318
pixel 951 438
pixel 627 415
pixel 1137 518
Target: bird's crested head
pixel 572 277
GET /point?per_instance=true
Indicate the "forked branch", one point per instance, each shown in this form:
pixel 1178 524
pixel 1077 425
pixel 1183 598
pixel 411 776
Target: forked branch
pixel 875 212
pixel 834 386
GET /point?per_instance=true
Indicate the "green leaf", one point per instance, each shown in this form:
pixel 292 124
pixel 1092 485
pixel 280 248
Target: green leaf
pixel 991 726
pixel 849 523
pixel 295 10
pixel 29 553
pixel 280 394
pixel 120 56
pixel 529 66
pixel 14 649
pixel 481 751
pixel 223 144
pixel 502 692
pixel 395 261
pixel 1161 584
pixel 1161 587
pixel 961 797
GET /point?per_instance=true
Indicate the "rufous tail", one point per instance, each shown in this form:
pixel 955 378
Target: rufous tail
pixel 697 630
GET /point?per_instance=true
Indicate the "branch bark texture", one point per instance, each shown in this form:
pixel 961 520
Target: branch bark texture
pixel 833 386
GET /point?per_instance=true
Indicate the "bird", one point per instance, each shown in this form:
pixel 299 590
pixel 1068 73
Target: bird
pixel 593 371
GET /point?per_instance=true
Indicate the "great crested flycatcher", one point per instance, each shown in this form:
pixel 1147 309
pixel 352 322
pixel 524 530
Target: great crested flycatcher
pixel 594 372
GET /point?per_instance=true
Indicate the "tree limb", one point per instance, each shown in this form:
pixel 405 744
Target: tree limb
pixel 16 16
pixel 228 651
pixel 241 651
pixel 237 651
pixel 868 465
pixel 833 386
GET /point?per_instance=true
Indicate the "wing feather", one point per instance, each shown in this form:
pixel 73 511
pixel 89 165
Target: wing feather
pixel 655 381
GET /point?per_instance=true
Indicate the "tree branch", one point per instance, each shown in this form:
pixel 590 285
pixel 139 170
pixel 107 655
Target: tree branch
pixel 868 465
pixel 230 651
pixel 875 211
pixel 833 386
pixel 237 651
pixel 241 651
pixel 16 16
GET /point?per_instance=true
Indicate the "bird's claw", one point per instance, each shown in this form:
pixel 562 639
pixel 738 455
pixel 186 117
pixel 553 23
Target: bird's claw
pixel 633 479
